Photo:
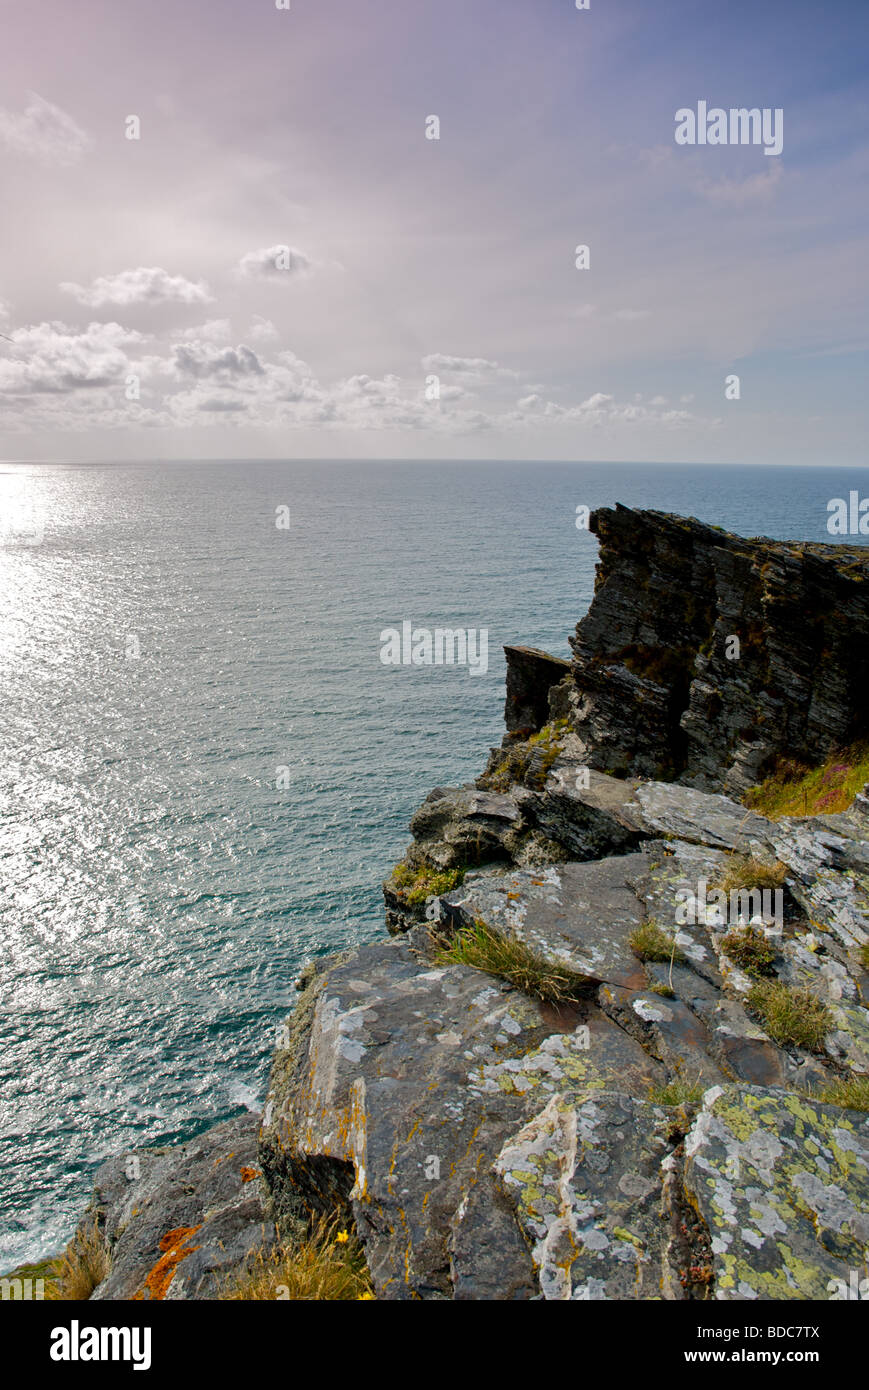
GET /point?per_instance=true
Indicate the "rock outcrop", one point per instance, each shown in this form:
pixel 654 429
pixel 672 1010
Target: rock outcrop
pixel 177 1221
pixel 657 1132
pixel 658 687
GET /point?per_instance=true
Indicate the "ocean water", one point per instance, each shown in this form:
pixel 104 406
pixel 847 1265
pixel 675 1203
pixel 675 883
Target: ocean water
pixel 206 770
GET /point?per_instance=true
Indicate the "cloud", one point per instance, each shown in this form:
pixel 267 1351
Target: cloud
pixel 602 409
pixel 274 261
pixel 207 362
pixel 630 315
pixel 64 378
pixel 757 188
pixel 146 285
pixel 478 368
pixel 43 132
pixel 212 331
pixel 262 330
pixel 54 359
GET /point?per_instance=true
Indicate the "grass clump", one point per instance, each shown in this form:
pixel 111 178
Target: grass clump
pixel 663 990
pixel 864 955
pixel 790 1016
pixel 794 789
pixel 532 758
pixel 677 1092
pixel 329 1266
pixel 416 885
pixel 83 1265
pixel 751 951
pixel 650 942
pixel 851 1092
pixel 480 946
pixel 743 873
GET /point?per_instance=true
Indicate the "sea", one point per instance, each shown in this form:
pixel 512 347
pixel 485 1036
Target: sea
pixel 207 769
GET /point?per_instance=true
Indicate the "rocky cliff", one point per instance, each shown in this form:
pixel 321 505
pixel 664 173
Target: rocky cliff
pixel 660 688
pixel 641 1094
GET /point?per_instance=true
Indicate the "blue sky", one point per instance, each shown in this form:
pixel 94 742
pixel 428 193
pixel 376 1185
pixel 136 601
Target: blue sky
pixel 153 261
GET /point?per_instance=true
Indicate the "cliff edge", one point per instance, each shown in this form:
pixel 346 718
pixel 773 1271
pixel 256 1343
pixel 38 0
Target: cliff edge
pixel 614 1046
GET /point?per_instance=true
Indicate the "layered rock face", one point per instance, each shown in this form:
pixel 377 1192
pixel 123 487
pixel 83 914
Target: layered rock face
pixel 655 689
pixel 657 1135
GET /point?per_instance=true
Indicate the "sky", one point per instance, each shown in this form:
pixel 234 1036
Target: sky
pixel 284 264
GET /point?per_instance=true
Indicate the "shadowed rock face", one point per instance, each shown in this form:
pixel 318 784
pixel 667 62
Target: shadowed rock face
pixel 531 674
pixel 654 688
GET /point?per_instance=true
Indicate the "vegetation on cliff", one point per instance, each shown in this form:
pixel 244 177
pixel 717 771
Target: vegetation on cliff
pixel 795 789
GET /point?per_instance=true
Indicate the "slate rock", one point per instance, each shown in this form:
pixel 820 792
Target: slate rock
pixel 189 1216
pixel 782 1183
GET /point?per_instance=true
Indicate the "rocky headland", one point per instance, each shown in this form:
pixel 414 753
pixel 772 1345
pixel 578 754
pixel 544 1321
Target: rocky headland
pixel 592 1059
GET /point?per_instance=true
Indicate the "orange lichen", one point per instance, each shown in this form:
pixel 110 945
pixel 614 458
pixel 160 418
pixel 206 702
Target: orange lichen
pixel 248 1174
pixel 175 1248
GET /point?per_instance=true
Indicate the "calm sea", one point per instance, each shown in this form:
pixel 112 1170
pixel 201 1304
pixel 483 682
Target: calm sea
pixel 207 770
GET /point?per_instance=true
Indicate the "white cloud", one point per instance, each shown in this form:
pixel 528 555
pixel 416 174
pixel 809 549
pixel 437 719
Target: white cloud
pixel 212 331
pixel 43 132
pixel 757 188
pixel 275 261
pixel 145 285
pixel 64 378
pixel 477 368
pixel 602 409
pixel 54 359
pixel 205 361
pixel 262 330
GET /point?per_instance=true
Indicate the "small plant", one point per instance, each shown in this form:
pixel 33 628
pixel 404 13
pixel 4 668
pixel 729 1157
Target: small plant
pixel 651 943
pixel 790 1016
pixel 480 946
pixel 328 1266
pixel 744 873
pixel 750 950
pixel 851 1092
pixel 83 1265
pixel 794 789
pixel 516 765
pixel 416 885
pixel 677 1092
pixel 663 989
pixel 864 955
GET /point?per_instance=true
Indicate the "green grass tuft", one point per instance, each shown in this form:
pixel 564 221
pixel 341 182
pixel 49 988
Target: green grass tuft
pixel 790 1016
pixel 744 873
pixel 750 950
pixel 663 990
pixel 650 942
pixel 677 1092
pixel 851 1093
pixel 480 946
pixel 327 1267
